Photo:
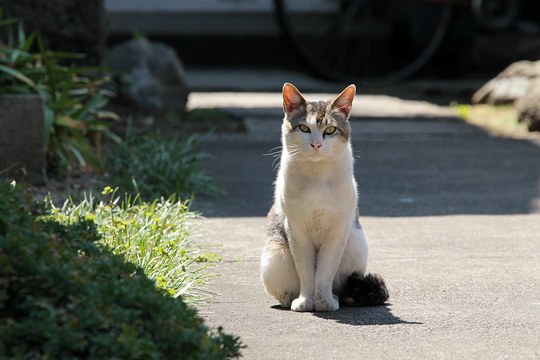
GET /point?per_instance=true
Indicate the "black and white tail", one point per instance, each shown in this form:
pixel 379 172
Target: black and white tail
pixel 364 290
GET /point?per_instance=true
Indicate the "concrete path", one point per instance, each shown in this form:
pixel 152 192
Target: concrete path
pixel 453 218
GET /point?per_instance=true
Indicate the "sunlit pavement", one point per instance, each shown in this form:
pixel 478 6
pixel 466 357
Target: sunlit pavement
pixel 453 218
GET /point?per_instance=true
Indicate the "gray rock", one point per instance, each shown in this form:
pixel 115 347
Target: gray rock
pixel 510 85
pixel 152 75
pixel 518 84
pixel 528 107
pixel 502 90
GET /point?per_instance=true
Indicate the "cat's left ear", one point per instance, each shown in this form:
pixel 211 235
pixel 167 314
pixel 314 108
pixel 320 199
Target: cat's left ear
pixel 343 102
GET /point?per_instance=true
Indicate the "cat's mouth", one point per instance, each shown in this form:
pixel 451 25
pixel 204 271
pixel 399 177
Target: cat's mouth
pixel 316 155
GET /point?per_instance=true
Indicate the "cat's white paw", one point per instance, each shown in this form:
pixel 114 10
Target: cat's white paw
pixel 302 304
pixel 327 304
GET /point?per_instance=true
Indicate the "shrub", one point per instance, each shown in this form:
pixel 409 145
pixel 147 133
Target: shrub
pixel 74 97
pixel 62 295
pixel 158 166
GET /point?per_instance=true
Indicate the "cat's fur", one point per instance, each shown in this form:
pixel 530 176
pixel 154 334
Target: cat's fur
pixel 316 252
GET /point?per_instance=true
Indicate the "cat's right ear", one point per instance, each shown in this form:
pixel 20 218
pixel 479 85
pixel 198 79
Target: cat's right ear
pixel 292 99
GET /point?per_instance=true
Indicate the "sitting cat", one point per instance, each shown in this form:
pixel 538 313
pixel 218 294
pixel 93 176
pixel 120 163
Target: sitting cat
pixel 316 253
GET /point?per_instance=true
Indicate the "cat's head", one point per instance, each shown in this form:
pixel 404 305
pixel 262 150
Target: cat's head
pixel 318 130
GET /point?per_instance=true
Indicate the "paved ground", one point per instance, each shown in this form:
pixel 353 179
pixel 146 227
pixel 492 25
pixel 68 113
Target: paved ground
pixel 270 80
pixel 453 218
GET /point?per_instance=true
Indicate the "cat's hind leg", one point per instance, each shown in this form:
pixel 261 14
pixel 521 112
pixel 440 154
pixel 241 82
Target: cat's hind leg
pixel 352 283
pixel 354 260
pixel 278 272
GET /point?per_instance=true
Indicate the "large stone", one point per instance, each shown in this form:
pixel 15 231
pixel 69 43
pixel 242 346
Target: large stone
pixel 66 25
pixel 22 139
pixel 151 75
pixel 528 107
pixel 518 84
pixel 510 85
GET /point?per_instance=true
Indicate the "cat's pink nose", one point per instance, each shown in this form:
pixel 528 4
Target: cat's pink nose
pixel 316 145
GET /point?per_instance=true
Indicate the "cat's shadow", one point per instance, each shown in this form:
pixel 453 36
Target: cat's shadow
pixel 361 315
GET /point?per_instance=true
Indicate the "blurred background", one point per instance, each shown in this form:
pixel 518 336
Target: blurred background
pixel 339 39
pixel 371 40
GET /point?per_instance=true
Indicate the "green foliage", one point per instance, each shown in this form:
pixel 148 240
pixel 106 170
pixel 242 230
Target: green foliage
pixel 158 166
pixel 75 122
pixel 155 236
pixel 62 295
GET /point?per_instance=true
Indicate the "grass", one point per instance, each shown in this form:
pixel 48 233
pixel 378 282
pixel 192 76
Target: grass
pixel 150 225
pixel 500 120
pixel 156 235
pixel 157 166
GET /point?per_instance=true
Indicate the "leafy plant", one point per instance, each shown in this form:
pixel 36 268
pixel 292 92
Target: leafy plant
pixel 158 166
pixel 156 236
pixel 74 97
pixel 64 295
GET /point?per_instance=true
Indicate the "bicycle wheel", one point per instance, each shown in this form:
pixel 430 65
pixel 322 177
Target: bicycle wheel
pixel 495 15
pixel 366 40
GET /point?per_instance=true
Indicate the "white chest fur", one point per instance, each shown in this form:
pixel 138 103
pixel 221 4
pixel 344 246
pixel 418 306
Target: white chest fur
pixel 315 197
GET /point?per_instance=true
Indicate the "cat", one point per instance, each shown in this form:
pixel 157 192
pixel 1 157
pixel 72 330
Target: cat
pixel 316 252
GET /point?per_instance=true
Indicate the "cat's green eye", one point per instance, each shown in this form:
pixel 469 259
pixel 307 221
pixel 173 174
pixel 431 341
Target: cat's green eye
pixel 304 129
pixel 330 130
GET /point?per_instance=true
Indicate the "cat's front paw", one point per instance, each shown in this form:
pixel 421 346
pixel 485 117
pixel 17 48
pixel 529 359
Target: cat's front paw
pixel 302 304
pixel 327 304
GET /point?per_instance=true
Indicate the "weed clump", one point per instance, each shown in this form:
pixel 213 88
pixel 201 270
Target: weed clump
pixel 157 236
pixel 157 166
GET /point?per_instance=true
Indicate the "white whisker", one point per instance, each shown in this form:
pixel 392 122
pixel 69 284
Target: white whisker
pixel 274 151
pixel 275 163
